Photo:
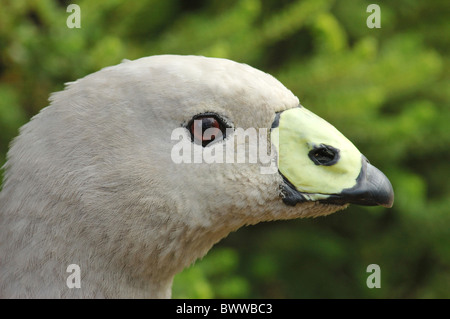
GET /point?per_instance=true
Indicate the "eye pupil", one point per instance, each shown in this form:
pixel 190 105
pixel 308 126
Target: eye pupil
pixel 205 129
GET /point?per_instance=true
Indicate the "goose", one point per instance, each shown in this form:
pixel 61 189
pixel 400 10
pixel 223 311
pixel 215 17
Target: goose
pixel 106 177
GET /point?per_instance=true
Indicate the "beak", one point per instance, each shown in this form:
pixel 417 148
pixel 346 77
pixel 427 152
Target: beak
pixel 319 164
pixel 372 189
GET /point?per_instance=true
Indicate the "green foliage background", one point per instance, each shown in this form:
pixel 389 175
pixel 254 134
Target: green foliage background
pixel 387 90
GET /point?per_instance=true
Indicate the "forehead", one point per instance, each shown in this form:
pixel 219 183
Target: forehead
pixel 245 95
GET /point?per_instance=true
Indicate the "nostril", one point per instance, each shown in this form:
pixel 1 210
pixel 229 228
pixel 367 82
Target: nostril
pixel 325 155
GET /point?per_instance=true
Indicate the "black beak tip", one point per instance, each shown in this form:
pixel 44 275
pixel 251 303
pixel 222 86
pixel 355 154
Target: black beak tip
pixel 386 197
pixel 373 188
pixel 379 187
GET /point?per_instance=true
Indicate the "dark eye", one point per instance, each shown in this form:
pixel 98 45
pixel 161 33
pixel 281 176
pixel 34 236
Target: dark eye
pixel 325 155
pixel 206 128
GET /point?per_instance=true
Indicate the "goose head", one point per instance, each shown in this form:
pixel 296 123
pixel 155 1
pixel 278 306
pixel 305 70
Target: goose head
pixel 137 170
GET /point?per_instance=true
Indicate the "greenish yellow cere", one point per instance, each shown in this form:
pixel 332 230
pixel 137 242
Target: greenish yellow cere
pixel 298 132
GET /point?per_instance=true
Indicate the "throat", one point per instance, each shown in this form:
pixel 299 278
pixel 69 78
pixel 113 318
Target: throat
pixel 146 269
pixel 122 256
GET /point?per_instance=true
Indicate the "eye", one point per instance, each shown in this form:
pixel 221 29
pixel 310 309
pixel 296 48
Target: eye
pixel 206 128
pixel 325 155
